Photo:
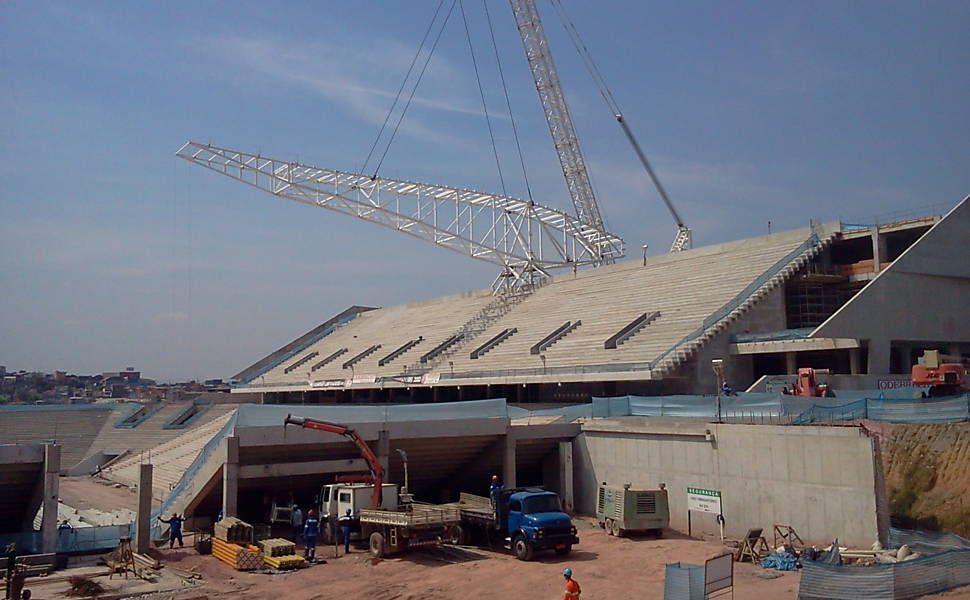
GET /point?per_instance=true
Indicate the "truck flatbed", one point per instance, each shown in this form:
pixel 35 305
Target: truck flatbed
pixel 418 516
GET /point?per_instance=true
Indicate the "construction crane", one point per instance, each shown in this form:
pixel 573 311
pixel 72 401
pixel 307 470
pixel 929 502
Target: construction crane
pixel 553 103
pixel 564 137
pixel 521 236
pixel 373 463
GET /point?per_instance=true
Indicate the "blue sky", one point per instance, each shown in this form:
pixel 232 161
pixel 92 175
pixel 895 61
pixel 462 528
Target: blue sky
pixel 115 253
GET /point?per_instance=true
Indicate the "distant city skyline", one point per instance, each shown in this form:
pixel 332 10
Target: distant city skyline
pixel 115 252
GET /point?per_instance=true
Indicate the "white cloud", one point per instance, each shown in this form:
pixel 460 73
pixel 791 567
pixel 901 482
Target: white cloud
pixel 357 78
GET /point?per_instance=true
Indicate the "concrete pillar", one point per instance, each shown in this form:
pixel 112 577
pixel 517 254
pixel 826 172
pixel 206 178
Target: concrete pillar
pixel 855 361
pixel 48 524
pixel 143 520
pixel 230 479
pixel 791 363
pixel 508 462
pixel 879 352
pixel 566 476
pixel 879 253
pixel 384 449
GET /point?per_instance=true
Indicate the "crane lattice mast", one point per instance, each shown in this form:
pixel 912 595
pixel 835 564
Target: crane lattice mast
pixel 553 102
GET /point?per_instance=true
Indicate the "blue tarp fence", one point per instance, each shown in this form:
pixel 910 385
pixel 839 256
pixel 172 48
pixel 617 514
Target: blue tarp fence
pixel 946 568
pixel 76 540
pixel 799 410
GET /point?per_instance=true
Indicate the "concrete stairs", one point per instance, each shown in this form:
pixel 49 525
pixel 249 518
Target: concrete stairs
pixel 682 353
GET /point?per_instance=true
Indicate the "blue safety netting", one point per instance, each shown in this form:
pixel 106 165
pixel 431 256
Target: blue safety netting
pixel 893 410
pixel 946 566
pixel 798 410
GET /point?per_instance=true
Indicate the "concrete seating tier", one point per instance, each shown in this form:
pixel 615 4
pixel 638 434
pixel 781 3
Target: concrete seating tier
pixel 685 288
pixel 170 458
pixel 150 432
pixel 435 320
pixel 74 427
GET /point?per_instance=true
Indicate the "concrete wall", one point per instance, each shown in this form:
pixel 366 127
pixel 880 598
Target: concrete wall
pixel 922 296
pixel 820 480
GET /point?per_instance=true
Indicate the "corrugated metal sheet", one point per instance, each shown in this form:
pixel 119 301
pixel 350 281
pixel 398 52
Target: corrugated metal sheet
pixel 683 581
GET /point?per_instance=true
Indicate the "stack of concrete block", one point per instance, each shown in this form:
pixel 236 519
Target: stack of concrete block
pixel 277 547
pixel 233 530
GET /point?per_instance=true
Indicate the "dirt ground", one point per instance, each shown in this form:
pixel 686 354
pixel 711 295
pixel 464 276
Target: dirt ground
pixel 88 492
pixel 604 567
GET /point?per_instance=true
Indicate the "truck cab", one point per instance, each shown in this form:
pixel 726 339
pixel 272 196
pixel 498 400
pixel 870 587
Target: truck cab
pixel 532 519
pixel 336 498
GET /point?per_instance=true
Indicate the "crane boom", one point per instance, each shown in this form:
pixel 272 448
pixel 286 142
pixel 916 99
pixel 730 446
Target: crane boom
pixel 553 102
pixel 513 233
pixel 376 469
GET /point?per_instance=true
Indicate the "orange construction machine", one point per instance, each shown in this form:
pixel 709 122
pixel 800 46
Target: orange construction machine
pixel 946 375
pixel 808 384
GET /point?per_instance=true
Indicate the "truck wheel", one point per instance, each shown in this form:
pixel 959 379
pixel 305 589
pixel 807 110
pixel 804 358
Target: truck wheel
pixel 459 535
pixel 564 551
pixel 377 545
pixel 523 548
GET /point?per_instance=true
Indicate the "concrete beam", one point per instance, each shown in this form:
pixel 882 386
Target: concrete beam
pixel 566 431
pixel 398 430
pixel 230 478
pixel 52 470
pixel 351 465
pixel 793 345
pixel 143 520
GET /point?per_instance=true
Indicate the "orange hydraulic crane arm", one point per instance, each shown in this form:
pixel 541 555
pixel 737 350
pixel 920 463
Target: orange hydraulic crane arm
pixel 376 470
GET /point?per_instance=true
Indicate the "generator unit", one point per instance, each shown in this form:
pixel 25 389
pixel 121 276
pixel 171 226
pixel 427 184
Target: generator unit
pixel 620 509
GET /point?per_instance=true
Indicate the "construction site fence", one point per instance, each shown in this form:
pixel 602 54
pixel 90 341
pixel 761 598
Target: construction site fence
pixel 947 567
pixel 892 410
pixel 785 409
pixel 70 541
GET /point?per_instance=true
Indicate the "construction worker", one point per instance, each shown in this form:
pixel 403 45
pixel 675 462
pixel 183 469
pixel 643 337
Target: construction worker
pixel 572 588
pixel 175 529
pixel 296 521
pixel 310 528
pixel 493 490
pixel 346 522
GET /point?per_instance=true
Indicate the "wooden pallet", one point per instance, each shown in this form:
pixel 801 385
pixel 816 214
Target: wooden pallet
pixel 290 561
pixel 241 558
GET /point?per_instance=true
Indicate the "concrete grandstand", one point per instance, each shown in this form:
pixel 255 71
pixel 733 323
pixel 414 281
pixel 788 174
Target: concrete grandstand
pixel 829 296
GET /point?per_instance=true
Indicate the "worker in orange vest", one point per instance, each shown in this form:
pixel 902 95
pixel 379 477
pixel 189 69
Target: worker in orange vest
pixel 572 588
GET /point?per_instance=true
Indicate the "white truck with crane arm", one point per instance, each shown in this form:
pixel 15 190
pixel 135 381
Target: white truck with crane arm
pixel 379 518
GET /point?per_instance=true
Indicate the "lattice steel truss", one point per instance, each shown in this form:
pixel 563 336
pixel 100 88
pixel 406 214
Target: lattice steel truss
pixel 522 237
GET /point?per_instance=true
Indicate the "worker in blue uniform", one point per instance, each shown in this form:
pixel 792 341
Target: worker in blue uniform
pixel 346 522
pixel 311 526
pixel 175 529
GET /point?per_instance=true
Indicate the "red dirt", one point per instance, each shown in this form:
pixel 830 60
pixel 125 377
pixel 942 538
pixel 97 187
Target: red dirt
pixel 605 567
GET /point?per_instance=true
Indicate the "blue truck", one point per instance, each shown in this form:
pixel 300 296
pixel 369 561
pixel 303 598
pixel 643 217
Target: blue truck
pixel 525 519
